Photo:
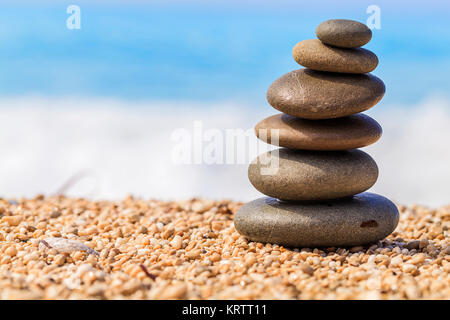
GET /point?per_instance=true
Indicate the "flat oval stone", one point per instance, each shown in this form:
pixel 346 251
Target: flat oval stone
pixel 365 218
pixel 289 174
pixel 310 94
pixel 315 55
pixel 355 131
pixel 343 33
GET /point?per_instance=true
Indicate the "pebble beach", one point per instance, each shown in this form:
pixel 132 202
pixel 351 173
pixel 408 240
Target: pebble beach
pixel 65 248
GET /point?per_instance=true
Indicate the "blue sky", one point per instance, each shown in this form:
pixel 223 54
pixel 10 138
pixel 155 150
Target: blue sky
pixel 215 50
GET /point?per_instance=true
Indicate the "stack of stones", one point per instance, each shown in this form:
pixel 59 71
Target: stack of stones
pixel 316 196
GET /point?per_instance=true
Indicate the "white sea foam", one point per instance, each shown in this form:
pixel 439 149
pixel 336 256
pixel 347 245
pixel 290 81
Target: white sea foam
pixel 124 148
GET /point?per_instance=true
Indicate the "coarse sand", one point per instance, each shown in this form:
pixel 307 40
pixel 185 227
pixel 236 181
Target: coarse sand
pixel 65 248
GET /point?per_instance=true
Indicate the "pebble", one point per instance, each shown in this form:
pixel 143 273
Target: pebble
pixel 344 33
pixel 66 245
pixel 176 242
pixel 408 268
pixel 55 214
pixel 396 261
pixel 307 269
pixel 12 220
pixel 413 244
pixel 315 55
pixel 362 219
pixel 356 249
pixel 174 292
pixel 423 243
pixel 310 94
pixel 355 131
pixel 312 175
pixel 11 251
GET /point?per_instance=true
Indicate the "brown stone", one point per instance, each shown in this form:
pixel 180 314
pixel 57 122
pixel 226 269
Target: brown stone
pixel 315 55
pixel 310 94
pixel 304 175
pixel 350 132
pixel 343 33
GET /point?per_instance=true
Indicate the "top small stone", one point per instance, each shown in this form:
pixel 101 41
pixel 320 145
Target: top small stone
pixel 343 33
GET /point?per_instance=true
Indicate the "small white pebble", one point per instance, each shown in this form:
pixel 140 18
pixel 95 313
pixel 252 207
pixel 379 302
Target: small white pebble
pixel 407 267
pixel 142 252
pixel 66 245
pixel 396 261
pixel 176 242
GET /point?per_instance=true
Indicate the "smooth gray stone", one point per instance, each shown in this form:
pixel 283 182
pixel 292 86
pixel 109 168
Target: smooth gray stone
pixel 343 33
pixel 362 219
pixel 304 175
pixel 355 131
pixel 309 94
pixel 315 55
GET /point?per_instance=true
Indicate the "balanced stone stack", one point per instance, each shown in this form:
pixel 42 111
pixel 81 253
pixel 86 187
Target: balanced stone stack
pixel 316 194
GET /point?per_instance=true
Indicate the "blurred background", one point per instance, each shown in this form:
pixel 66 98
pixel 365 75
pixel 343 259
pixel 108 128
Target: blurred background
pixel 91 111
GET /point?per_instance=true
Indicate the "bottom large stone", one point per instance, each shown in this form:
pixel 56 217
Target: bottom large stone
pixel 361 219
